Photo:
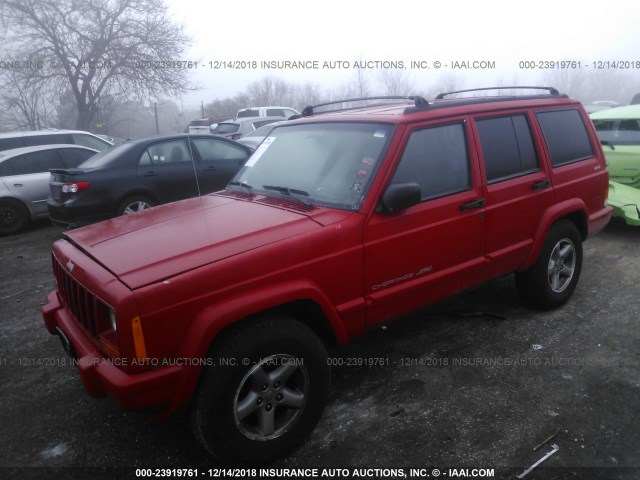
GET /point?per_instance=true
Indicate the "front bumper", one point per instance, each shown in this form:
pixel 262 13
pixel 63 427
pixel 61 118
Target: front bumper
pixel 101 376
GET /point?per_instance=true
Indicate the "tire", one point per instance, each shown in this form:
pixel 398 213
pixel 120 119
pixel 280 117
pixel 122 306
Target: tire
pixel 264 393
pixel 134 204
pixel 550 282
pixel 13 217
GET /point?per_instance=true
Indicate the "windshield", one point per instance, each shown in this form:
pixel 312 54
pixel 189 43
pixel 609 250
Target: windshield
pixel 328 164
pixel 618 132
pixel 105 156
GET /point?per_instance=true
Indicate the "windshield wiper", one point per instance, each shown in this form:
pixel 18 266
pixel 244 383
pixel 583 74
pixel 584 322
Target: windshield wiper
pixel 292 192
pixel 246 186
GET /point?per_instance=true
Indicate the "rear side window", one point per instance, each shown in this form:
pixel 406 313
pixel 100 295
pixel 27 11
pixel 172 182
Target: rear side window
pixel 35 162
pixel 565 135
pixel 47 139
pixel 275 112
pixel 9 143
pixel 226 128
pixel 166 152
pixel 72 157
pixel 212 150
pixel 436 158
pixel 248 113
pixel 507 147
pixel 89 141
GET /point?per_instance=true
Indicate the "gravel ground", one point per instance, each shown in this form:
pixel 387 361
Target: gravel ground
pixel 473 383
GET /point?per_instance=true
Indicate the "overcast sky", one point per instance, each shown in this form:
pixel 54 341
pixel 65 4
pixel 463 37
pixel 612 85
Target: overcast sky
pixel 503 32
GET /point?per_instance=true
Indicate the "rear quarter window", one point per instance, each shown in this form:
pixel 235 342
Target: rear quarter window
pixel 9 143
pixel 565 135
pixel 47 139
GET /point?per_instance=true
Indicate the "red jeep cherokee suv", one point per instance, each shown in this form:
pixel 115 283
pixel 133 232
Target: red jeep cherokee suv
pixel 338 221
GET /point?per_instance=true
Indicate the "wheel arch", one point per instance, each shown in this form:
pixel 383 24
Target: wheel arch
pixel 306 304
pixel 573 210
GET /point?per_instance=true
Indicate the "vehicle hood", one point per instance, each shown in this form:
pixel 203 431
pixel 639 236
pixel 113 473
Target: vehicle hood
pixel 162 242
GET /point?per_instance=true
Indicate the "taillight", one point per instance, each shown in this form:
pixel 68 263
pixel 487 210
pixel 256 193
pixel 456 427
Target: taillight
pixel 74 187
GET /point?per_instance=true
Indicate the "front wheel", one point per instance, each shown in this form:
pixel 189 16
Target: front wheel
pixel 263 393
pixel 550 282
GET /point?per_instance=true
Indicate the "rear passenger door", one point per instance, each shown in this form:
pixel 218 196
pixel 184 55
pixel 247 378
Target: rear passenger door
pixel 517 188
pixel 435 248
pixel 30 179
pixel 167 170
pixel 219 162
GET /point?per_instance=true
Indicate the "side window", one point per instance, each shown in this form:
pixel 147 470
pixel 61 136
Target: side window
pixel 6 169
pixel 436 158
pixel 47 139
pixel 507 147
pixel 89 141
pixel 175 151
pixel 565 135
pixel 275 112
pixel 213 150
pixel 72 157
pixel 11 142
pixel 35 162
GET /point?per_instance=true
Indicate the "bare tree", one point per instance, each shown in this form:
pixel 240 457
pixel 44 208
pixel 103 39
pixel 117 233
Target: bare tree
pixel 269 90
pixel 26 101
pixel 447 82
pixel 99 47
pixel 395 81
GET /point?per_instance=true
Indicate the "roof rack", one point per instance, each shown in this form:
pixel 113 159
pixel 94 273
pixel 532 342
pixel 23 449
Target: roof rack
pixel 418 102
pixel 552 91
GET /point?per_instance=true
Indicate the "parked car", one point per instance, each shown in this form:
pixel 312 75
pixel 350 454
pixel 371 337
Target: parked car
pixel 337 223
pixel 255 138
pixel 48 137
pixel 204 125
pixel 285 112
pixel 236 129
pixel 619 131
pixel 24 181
pixel 139 174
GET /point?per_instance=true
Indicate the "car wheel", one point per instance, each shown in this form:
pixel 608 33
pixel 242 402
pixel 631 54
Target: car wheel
pixel 13 217
pixel 134 204
pixel 264 392
pixel 550 282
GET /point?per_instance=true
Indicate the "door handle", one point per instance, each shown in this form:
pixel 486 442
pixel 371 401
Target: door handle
pixel 470 206
pixel 540 185
pixel 18 185
pixel 149 174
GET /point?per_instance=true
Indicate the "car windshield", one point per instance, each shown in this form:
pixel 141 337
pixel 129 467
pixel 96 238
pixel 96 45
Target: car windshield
pixel 105 156
pixel 618 132
pixel 226 128
pixel 327 164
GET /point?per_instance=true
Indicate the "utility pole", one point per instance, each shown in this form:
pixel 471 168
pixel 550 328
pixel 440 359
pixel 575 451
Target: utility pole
pixel 156 112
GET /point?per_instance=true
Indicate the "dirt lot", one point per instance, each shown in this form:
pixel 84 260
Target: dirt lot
pixel 476 382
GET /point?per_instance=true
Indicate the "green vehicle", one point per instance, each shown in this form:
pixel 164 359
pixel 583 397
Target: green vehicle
pixel 619 131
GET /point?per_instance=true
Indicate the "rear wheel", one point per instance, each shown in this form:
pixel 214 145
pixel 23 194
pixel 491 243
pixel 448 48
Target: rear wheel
pixel 13 217
pixel 265 393
pixel 550 282
pixel 134 204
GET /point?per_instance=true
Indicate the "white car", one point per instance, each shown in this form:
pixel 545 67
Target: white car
pixel 24 181
pixel 285 112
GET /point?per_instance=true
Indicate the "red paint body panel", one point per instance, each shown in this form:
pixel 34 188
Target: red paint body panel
pixel 191 269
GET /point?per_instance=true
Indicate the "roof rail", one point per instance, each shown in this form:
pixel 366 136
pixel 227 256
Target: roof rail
pixel 552 91
pixel 418 102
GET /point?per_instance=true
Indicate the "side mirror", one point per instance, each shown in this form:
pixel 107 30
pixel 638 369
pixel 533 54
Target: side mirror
pixel 400 196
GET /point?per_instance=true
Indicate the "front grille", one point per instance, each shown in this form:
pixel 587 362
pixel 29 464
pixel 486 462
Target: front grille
pixel 78 300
